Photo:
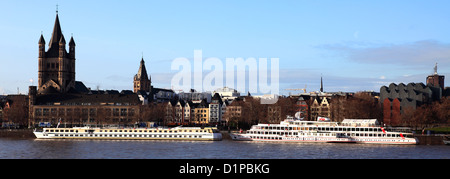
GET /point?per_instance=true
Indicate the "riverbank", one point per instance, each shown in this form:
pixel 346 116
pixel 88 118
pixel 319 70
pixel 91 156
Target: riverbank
pixel 17 133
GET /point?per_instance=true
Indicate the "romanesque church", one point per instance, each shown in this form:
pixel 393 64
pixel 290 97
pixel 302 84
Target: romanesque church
pixel 56 66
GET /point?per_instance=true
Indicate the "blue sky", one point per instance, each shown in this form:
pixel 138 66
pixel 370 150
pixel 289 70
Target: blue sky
pixel 355 44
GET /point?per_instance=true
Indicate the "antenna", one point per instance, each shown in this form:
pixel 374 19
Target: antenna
pixel 435 69
pixel 56 8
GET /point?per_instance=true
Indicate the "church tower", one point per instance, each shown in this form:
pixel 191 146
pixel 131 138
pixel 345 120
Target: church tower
pixel 56 66
pixel 142 82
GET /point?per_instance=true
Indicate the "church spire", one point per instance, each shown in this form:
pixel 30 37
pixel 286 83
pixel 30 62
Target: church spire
pixel 56 35
pixel 72 42
pixel 321 84
pixel 142 73
pixel 41 40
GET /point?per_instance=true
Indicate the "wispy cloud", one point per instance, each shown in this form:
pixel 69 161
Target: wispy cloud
pixel 424 52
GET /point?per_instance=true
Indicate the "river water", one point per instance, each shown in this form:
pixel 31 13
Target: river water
pixel 11 148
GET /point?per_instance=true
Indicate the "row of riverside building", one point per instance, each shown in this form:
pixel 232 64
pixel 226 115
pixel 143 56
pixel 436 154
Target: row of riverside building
pixel 59 98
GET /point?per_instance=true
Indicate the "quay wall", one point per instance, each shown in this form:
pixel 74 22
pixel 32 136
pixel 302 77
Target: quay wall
pixel 430 139
pixel 17 133
pixel 226 134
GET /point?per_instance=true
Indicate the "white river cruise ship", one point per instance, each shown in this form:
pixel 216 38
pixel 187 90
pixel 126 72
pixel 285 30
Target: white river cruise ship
pixel 365 131
pixel 177 133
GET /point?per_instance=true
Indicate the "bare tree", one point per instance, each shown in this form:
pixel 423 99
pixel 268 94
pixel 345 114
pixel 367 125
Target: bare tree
pixel 101 116
pixel 361 106
pixel 442 109
pixel 17 112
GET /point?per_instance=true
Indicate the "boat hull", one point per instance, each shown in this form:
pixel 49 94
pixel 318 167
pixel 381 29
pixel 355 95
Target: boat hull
pixel 314 139
pixel 96 135
pixel 214 137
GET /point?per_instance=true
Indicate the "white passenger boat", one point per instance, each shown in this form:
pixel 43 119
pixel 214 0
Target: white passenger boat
pixel 177 133
pixel 365 131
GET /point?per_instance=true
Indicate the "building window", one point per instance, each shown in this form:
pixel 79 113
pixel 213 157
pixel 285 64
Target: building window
pixel 45 112
pixel 123 112
pixel 38 112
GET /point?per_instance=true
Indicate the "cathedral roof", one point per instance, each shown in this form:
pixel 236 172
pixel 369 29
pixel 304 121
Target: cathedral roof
pixel 87 99
pixel 50 90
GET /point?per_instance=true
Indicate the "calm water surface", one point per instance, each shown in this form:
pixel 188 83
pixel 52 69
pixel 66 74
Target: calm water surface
pixel 226 149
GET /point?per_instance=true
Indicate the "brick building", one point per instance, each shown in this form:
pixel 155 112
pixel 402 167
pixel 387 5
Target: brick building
pixel 396 99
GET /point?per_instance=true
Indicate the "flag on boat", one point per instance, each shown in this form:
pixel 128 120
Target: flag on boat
pixel 59 122
pixel 323 119
pixel 383 130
